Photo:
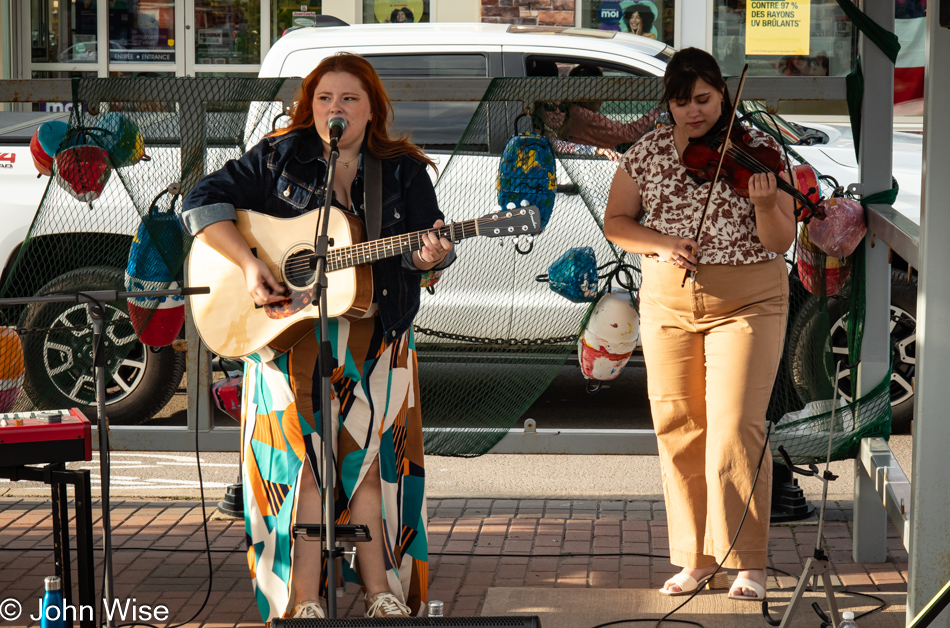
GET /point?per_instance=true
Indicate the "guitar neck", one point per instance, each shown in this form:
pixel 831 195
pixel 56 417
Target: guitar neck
pixel 369 252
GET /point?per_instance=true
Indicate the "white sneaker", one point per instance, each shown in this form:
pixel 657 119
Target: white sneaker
pixel 309 610
pixel 386 605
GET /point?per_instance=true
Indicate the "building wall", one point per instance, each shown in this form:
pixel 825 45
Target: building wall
pixel 533 12
pixel 346 10
pixel 456 10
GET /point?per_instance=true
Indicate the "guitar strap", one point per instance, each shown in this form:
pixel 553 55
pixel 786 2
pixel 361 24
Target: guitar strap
pixel 373 197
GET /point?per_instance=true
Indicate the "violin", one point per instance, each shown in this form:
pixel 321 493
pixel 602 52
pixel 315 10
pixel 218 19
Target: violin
pixel 701 159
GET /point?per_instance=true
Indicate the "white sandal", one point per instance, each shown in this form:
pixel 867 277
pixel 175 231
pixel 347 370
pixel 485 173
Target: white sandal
pixel 689 584
pixel 745 583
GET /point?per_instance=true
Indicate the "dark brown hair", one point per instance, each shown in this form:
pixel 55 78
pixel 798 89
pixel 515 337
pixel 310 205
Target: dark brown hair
pixel 682 72
pixel 378 142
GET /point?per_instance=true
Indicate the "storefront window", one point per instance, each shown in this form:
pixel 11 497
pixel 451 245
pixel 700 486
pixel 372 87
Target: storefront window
pixel 648 18
pixel 289 13
pixel 141 31
pixel 63 31
pixel 817 42
pixel 227 32
pixel 395 11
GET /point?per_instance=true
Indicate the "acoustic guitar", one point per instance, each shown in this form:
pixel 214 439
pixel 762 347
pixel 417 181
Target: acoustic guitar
pixel 232 325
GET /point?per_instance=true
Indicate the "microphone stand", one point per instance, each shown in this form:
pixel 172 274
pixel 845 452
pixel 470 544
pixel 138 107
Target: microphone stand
pixel 94 300
pixel 325 367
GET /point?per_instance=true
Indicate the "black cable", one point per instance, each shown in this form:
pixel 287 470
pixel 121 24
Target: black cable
pixel 748 503
pixel 204 525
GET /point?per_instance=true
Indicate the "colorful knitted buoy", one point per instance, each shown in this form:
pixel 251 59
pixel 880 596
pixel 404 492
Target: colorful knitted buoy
pixel 45 144
pixel 611 335
pixel 83 171
pixel 527 172
pixel 821 274
pixel 574 275
pixel 11 367
pixel 122 139
pixel 155 260
pixel 843 228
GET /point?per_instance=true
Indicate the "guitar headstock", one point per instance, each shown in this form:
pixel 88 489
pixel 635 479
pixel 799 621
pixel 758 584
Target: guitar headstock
pixel 511 221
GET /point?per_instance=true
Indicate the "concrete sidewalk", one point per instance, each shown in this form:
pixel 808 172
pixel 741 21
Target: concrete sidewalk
pixel 481 549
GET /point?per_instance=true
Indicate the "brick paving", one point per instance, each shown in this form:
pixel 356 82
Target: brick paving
pixel 475 544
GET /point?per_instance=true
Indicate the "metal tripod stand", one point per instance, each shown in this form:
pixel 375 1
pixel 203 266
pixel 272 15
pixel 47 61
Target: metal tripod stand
pixel 817 566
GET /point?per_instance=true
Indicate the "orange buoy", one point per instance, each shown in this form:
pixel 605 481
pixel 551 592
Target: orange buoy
pixel 11 367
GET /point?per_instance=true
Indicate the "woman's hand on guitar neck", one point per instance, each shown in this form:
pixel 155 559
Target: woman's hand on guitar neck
pixel 434 249
pixel 261 283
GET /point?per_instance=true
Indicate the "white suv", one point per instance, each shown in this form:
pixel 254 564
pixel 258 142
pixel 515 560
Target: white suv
pixel 471 297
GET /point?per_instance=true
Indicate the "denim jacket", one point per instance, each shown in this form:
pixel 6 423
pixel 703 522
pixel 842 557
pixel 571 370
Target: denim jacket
pixel 285 176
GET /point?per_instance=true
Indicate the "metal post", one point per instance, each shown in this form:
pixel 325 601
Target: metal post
pixel 870 517
pixel 930 481
pixel 96 315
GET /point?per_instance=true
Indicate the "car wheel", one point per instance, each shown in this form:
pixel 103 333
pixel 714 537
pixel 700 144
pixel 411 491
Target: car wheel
pixel 59 365
pixel 804 353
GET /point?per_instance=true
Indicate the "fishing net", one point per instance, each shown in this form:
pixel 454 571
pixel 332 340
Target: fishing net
pixel 133 147
pixel 490 336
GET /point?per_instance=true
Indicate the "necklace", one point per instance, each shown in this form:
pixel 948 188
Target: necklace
pixel 346 164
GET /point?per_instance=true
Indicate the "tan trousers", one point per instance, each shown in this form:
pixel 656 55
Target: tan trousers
pixel 712 349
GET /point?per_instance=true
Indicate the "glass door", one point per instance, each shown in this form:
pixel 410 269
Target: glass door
pixel 224 37
pixel 142 38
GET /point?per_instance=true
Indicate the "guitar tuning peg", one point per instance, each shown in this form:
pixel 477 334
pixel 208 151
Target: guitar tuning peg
pixel 496 208
pixel 524 203
pixel 510 206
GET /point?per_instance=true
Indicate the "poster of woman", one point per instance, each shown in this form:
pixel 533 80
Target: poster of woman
pixel 639 18
pixel 400 11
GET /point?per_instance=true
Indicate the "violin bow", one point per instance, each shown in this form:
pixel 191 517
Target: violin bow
pixel 689 274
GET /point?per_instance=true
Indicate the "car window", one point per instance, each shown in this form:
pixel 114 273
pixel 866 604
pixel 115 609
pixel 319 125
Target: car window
pixel 555 65
pixel 791 133
pixel 435 126
pixel 558 65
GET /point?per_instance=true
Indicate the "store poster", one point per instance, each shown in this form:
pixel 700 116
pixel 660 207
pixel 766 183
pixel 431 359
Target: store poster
pixel 398 11
pixel 777 28
pixel 618 15
pixel 305 18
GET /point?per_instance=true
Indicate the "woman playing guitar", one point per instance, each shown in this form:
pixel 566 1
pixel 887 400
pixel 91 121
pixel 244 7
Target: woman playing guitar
pixel 378 448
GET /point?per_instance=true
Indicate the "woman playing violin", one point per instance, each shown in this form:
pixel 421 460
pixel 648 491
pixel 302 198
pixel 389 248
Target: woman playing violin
pixel 712 346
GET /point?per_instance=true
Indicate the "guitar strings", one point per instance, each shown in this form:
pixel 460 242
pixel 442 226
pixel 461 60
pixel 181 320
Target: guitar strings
pixel 365 251
pixel 370 249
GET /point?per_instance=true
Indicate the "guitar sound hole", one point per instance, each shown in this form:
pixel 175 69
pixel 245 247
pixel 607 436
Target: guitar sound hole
pixel 297 272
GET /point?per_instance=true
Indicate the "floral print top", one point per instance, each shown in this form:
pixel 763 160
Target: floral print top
pixel 673 202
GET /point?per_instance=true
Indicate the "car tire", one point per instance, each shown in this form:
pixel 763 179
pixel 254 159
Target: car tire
pixel 59 366
pixel 803 354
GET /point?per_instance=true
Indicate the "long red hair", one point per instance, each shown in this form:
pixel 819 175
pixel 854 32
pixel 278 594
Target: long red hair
pixel 378 141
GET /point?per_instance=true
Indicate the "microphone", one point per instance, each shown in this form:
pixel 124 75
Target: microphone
pixel 337 125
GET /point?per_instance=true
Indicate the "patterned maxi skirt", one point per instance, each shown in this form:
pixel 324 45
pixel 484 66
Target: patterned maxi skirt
pixel 376 415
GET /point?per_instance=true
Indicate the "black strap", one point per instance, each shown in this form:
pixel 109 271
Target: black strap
pixel 373 197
